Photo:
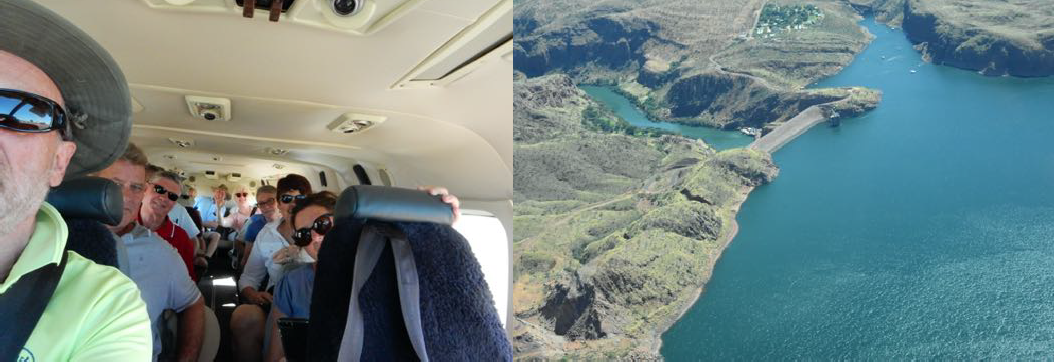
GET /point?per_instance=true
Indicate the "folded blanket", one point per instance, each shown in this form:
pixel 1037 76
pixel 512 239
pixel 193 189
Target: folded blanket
pixel 457 310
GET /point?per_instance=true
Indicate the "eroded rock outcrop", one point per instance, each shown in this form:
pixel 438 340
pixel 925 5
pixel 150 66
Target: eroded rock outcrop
pixel 993 38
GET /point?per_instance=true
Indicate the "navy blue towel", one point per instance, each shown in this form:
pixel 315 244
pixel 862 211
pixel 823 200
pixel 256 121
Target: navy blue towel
pixel 457 310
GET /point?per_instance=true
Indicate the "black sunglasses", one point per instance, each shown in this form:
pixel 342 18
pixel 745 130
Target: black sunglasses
pixel 161 191
pixel 241 194
pixel 22 111
pixel 322 225
pixel 289 198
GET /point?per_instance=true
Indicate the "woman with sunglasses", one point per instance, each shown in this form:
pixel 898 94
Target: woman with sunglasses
pixel 268 259
pixel 312 217
pixel 236 220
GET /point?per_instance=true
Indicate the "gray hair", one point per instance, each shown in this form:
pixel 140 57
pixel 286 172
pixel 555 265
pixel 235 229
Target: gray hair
pixel 167 174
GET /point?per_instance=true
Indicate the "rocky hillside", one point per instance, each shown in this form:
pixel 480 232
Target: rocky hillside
pixel 615 234
pixel 690 61
pixel 993 37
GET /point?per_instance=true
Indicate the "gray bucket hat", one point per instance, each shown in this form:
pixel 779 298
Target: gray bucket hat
pixel 93 87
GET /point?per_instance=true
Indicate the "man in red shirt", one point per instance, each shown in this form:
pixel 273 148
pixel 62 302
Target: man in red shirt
pixel 162 192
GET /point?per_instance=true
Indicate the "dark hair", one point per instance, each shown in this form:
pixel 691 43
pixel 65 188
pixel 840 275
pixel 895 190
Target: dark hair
pixel 326 199
pixel 294 182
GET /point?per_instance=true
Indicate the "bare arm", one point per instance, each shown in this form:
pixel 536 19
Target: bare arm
pixel 276 353
pixel 191 331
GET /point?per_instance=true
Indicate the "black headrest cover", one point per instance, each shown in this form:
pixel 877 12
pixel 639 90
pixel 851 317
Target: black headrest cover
pixel 87 197
pixel 385 203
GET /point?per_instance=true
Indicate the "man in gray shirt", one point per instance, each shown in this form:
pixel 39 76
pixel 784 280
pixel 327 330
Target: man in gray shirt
pixel 152 263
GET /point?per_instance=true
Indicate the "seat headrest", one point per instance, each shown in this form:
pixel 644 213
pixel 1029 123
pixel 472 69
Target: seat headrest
pixel 385 203
pixel 93 198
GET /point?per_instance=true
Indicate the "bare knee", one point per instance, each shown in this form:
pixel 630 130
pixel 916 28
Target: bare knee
pixel 246 318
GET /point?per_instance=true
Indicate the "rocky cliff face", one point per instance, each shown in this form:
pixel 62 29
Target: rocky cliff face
pixel 689 62
pixel 731 101
pixel 995 41
pixel 603 42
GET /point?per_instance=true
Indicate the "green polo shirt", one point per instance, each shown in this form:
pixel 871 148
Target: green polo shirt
pixel 96 313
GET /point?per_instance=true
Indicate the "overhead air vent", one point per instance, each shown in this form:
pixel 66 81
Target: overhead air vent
pixel 181 143
pixel 209 108
pixel 279 166
pixel 276 151
pixel 355 123
pixel 489 38
pixel 234 177
pixel 169 157
pixel 191 179
pixel 356 17
pixel 211 175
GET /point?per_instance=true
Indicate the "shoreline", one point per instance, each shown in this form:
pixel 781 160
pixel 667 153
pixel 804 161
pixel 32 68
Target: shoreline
pixel 769 143
pixel 723 243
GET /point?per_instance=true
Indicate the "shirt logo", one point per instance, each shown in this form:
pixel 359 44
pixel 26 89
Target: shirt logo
pixel 26 356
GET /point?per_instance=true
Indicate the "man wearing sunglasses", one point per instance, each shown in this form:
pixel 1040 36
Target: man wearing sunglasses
pixel 159 199
pixel 52 77
pixel 152 263
pixel 267 204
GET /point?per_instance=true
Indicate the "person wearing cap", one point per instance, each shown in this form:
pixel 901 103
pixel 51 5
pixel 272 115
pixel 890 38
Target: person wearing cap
pixel 152 263
pixel 52 77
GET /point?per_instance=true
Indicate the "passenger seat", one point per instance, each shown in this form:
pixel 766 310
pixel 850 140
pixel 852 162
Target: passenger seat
pixel 444 312
pixel 86 203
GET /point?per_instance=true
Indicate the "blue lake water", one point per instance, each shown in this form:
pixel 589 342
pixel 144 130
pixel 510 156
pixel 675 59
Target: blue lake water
pixel 716 138
pixel 923 229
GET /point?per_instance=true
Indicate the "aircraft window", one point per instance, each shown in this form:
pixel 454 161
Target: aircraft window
pixel 224 282
pixel 386 178
pixel 489 243
pixel 360 173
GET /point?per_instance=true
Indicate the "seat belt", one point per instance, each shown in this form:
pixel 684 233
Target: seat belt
pixel 372 241
pixel 23 304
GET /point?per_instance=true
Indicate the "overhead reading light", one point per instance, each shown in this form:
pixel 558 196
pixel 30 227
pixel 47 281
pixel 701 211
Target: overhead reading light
pixel 181 143
pixel 355 123
pixel 211 175
pixel 217 158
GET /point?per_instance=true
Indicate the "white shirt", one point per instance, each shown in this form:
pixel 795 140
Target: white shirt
pixel 153 264
pixel 181 217
pixel 261 263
